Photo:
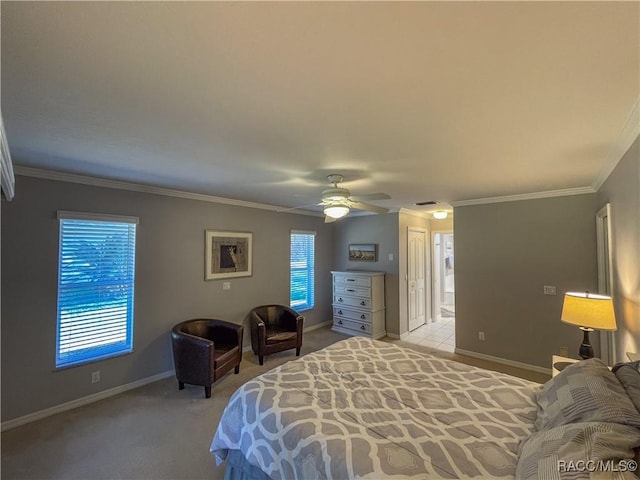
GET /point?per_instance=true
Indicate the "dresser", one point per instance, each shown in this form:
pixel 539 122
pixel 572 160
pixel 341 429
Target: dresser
pixel 358 303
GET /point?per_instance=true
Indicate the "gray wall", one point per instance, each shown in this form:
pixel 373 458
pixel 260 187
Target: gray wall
pixel 170 284
pixel 505 254
pixel 622 190
pixel 382 230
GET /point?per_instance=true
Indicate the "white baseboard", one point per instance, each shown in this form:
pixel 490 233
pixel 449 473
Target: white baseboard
pixel 32 417
pixel 395 336
pixel 504 361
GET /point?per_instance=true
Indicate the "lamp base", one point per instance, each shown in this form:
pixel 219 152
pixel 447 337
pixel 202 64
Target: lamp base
pixel 586 350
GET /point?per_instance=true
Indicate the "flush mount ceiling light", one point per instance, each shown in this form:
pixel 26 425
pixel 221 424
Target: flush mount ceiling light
pixel 336 211
pixel 440 214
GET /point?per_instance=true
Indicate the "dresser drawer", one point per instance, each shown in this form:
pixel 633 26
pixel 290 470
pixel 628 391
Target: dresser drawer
pixel 364 317
pixel 353 280
pixel 352 290
pixel 353 325
pixel 352 301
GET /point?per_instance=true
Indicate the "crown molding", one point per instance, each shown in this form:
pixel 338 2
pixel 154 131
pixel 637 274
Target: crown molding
pixel 630 131
pixel 137 187
pixel 525 196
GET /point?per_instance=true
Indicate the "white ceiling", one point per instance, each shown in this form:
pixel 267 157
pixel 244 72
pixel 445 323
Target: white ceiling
pixel 259 101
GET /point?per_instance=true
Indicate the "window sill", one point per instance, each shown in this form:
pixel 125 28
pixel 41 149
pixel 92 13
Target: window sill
pixel 92 360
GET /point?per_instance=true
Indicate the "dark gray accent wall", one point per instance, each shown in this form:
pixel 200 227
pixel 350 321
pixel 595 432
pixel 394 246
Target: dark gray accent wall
pixel 505 254
pixel 170 285
pixel 622 190
pixel 383 231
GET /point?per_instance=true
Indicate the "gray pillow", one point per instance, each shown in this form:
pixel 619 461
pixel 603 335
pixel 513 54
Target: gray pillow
pixel 628 374
pixel 561 452
pixel 585 391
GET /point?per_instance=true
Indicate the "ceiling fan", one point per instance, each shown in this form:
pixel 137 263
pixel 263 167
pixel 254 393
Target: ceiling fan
pixel 338 201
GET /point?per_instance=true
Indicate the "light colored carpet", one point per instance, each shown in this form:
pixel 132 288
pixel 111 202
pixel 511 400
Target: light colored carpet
pixel 153 432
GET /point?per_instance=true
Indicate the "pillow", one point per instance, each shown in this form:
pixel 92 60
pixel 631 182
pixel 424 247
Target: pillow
pixel 628 374
pixel 574 450
pixel 585 391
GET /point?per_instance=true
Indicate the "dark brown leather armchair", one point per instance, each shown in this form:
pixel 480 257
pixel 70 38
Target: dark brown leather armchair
pixel 204 350
pixel 275 328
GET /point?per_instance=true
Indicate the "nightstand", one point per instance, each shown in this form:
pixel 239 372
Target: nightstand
pixel 558 363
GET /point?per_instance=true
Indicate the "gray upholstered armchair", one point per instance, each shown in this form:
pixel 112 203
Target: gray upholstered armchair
pixel 204 350
pixel 275 328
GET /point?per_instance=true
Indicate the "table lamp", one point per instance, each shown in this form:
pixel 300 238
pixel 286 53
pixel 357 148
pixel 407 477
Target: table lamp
pixel 589 312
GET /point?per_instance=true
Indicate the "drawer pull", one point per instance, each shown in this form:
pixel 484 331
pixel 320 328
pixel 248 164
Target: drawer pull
pixel 351 279
pixel 362 327
pixel 363 316
pixel 339 322
pixel 350 290
pixel 361 303
pixel 339 312
pixel 340 299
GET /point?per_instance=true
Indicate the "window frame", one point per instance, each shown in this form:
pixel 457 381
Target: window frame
pixel 309 303
pixel 125 281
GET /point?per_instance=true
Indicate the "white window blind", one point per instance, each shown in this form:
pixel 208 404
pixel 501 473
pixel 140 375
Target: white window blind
pixel 96 273
pixel 302 270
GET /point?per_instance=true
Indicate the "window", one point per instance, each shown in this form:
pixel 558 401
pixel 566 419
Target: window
pixel 302 270
pixel 96 270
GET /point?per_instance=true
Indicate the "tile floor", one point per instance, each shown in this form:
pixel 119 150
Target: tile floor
pixel 440 335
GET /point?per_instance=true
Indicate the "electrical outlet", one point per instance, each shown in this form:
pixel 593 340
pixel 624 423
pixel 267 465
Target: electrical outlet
pixel 481 336
pixel 564 351
pixel 95 376
pixel 549 290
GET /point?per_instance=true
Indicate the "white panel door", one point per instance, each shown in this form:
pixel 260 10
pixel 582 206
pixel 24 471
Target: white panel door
pixel 416 277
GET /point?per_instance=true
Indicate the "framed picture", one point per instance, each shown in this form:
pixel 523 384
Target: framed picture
pixel 227 254
pixel 366 252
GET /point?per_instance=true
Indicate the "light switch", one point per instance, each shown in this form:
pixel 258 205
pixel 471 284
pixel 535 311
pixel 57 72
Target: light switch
pixel 549 290
pixel 391 257
pixel 226 285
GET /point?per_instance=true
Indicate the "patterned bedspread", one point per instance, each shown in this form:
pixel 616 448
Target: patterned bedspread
pixel 369 409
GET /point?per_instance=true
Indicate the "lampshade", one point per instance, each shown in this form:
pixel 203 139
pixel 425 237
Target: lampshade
pixel 589 311
pixel 440 214
pixel 336 211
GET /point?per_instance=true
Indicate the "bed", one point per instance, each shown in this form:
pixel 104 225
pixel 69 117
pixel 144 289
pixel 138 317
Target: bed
pixel 362 408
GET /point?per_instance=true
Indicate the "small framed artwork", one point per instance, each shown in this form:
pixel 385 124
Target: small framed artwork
pixel 227 254
pixel 366 252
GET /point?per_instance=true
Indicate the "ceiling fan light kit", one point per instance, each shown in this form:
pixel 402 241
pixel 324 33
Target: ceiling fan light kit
pixel 336 211
pixel 337 202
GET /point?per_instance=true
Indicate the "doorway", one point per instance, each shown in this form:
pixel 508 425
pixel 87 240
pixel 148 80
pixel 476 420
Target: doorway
pixel 431 325
pixel 444 294
pixel 417 277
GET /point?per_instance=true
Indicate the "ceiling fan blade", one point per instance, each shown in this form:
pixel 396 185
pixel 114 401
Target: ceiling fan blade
pixel 368 207
pixel 369 196
pixel 328 219
pixel 297 208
